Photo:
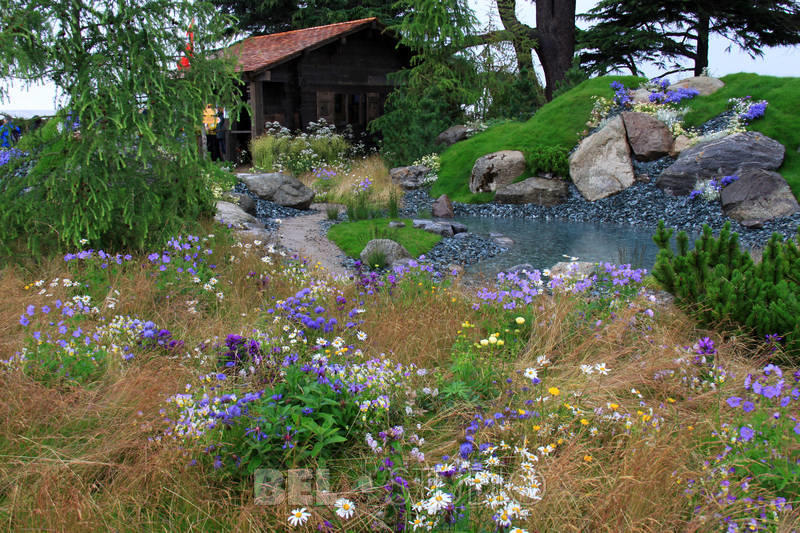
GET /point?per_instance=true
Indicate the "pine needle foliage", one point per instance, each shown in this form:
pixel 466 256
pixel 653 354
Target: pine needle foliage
pixel 721 283
pixel 120 167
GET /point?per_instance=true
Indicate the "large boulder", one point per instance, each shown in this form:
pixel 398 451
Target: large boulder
pixel 496 169
pixel 452 135
pixel 228 213
pixel 408 178
pixel 681 143
pixel 443 228
pixel 574 269
pixel 538 191
pixel 757 197
pixel 601 166
pixel 391 251
pixel 442 207
pixel 648 137
pixel 718 158
pixel 702 84
pixel 279 188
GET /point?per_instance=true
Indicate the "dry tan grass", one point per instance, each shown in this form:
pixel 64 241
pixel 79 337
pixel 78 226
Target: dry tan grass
pixel 79 459
pixel 371 167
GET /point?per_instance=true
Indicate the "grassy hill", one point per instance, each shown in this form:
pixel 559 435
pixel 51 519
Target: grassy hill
pixel 779 122
pixel 558 123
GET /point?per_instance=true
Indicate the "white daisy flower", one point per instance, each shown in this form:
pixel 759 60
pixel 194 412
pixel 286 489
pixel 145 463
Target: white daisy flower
pixel 531 373
pixel 438 502
pixel 344 508
pixel 299 517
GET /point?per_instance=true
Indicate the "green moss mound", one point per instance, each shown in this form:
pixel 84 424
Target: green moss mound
pixel 556 124
pixel 351 237
pixel 779 122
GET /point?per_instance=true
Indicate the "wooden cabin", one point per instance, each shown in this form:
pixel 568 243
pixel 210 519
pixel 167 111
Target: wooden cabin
pixel 336 72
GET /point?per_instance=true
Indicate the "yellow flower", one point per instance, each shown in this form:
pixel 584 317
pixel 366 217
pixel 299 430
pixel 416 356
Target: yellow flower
pixel 537 428
pixel 554 391
pixel 484 342
pixel 519 320
pixel 671 400
pixel 614 406
pixel 587 458
pixel 500 342
pixel 584 422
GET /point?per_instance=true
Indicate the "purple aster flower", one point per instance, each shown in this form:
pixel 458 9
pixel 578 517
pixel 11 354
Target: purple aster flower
pixel 746 433
pixel 734 401
pixel 748 406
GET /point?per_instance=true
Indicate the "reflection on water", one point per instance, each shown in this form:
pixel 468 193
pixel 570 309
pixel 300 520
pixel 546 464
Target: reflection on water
pixel 544 243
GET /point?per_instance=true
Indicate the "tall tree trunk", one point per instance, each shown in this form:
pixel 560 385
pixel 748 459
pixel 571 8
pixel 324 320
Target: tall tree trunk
pixel 522 37
pixel 555 25
pixel 701 53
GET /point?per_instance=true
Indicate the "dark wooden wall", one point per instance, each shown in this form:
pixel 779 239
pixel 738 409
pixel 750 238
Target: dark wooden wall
pixel 354 67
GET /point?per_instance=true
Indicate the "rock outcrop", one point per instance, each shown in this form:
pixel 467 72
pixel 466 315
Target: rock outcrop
pixel 649 138
pixel 720 157
pixel 601 166
pixel 496 169
pixel 452 135
pixel 279 188
pixel 409 178
pixel 757 197
pixel 540 191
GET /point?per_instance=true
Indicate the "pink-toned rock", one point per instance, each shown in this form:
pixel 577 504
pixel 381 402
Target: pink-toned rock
pixel 649 138
pixel 442 207
pixel 681 143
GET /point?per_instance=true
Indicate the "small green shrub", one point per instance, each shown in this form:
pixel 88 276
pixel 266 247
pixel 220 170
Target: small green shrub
pixel 720 282
pixel 377 259
pixel 548 159
pixel 332 211
pixel 392 205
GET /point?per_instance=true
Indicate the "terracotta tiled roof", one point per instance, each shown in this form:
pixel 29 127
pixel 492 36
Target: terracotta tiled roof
pixel 264 51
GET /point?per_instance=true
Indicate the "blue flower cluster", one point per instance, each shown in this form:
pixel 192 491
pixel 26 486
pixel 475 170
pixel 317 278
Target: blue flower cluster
pixel 674 96
pixel 621 95
pixel 7 155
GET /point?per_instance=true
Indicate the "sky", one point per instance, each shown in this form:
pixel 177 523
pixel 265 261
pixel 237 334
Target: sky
pixel 780 61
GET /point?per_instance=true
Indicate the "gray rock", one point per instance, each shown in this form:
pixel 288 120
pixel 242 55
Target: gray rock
pixel 703 84
pixel 757 197
pixel 397 224
pixel 420 223
pixel 458 227
pixel 496 169
pixel 452 135
pixel 540 191
pixel 279 188
pixel 391 250
pixel 575 268
pixel 720 157
pixel 409 178
pixel 245 202
pixel 463 235
pixel 601 166
pixel 649 138
pixel 440 228
pixel 228 213
pixel 502 240
pixel 442 207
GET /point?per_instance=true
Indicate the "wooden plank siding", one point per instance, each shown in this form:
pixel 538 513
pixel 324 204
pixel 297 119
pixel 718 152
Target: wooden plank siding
pixel 350 74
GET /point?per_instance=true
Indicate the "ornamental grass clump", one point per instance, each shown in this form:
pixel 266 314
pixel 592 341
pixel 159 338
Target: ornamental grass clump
pixel 393 400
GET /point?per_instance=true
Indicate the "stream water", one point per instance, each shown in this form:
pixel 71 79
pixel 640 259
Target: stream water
pixel 542 244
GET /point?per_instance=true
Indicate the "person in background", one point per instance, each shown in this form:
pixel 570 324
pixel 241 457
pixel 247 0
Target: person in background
pixel 210 125
pixel 9 133
pixel 222 128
